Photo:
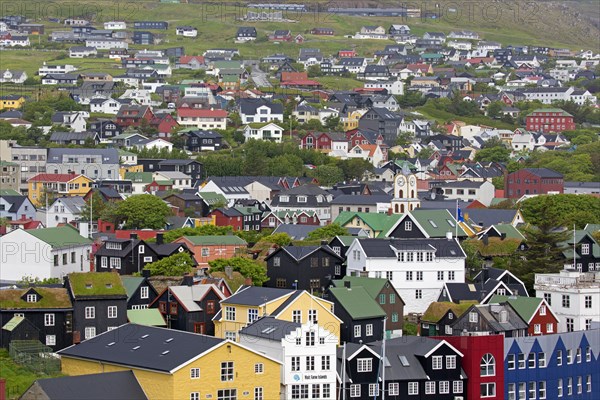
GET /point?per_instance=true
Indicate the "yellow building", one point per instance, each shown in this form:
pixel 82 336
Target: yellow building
pixel 11 102
pixel 251 302
pixel 58 185
pixel 177 365
pixel 351 122
pixel 130 168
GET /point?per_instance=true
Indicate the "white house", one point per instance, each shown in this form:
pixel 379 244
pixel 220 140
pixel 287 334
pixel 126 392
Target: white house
pixel 13 76
pixel 159 144
pixel 369 152
pixel 106 43
pixel 202 118
pixel 418 268
pixel 179 179
pixel 46 69
pixel 523 141
pixel 307 353
pixel 64 210
pixel 105 105
pixel 115 25
pixel 574 297
pixel 268 131
pixel 395 88
pixel 372 32
pixel 76 121
pixel 43 253
pixel 82 52
pixel 469 191
pixel 186 31
pixel 142 97
pixel 260 110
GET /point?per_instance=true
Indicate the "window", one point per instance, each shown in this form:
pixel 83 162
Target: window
pixel 227 394
pixel 144 292
pixel 354 390
pixel 281 282
pixel 579 385
pixel 522 390
pixel 511 361
pixel 429 256
pixel 48 319
pixel 259 368
pixel 312 315
pixel 258 393
pixel 450 362
pixel 488 390
pixel 440 275
pixel 226 371
pixel 115 262
pixel 395 317
pixel 444 387
pixel 578 355
pixel 512 395
pixel 413 388
pixel 112 311
pixel 532 390
pixel 310 363
pixel 392 298
pixel 408 226
pixel 64 259
pixel 31 298
pixel 104 262
pixel 542 310
pixel 276 261
pixel 419 274
pixel 230 313
pixel 252 315
pixel 295 363
pixel 357 332
pixel 473 317
pixel 542 360
pixel 585 248
pixel 90 312
pixel 90 332
pixel 326 390
pixel 570 324
pixel 542 389
pixel 325 363
pixel 588 383
pixel 365 364
pixel 310 338
pixel 450 275
pixel 457 387
pixel 297 316
pixel 429 387
pixel 436 362
pixel 374 389
pixel 531 360
pixel 419 257
pixel 569 356
pixel 50 340
pixel 448 330
pixel 410 257
pixel 560 387
pixel 487 365
pixel 559 357
pixel 588 301
pixel 409 275
pixel 418 294
pixel 588 354
pixel 194 373
pixel 393 389
pixel 569 386
pixel 566 301
pixel 382 298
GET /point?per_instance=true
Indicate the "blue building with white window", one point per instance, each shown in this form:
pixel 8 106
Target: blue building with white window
pixel 565 365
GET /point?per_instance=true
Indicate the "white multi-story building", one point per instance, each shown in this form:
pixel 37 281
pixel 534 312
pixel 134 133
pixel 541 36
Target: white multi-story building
pixel 307 353
pixel 46 69
pixel 64 210
pixel 267 131
pixel 418 268
pixel 574 297
pixel 395 88
pixel 43 253
pixel 115 25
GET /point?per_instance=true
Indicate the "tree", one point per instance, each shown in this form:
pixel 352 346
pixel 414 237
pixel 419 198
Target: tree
pixel 175 265
pixel 245 266
pixel 495 154
pixel 143 211
pixel 31 281
pixel 494 109
pixel 425 153
pixel 355 168
pixel 280 239
pixel 332 123
pixel 314 71
pixel 404 139
pixel 474 261
pixel 498 182
pixel 327 175
pixel 94 204
pixel 328 232
pixel 562 210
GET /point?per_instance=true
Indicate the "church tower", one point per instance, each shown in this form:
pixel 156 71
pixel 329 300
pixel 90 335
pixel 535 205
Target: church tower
pixel 405 192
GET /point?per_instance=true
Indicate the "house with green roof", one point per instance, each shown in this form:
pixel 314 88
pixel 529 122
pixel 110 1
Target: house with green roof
pixel 362 317
pixel 535 311
pixel 147 316
pixel 425 223
pixel 99 303
pixel 582 249
pixel 139 181
pixel 140 293
pixel 441 314
pixel 43 253
pixel 375 224
pixel 211 247
pixel 36 313
pixel 383 292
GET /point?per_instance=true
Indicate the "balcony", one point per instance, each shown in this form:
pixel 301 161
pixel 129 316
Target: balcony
pixel 567 279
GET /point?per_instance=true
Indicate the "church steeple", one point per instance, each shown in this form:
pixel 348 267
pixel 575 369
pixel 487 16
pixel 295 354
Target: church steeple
pixel 405 192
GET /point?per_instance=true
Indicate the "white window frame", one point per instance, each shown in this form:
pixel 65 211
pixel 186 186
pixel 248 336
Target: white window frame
pixel 112 311
pixel 89 332
pixel 357 331
pixel 444 387
pixel 50 340
pixel 369 329
pixel 194 373
pixel 457 387
pixel 413 388
pixel 90 312
pixel 49 319
pixel 430 387
pixel 364 365
pixel 104 262
pixel 437 362
pixel 144 292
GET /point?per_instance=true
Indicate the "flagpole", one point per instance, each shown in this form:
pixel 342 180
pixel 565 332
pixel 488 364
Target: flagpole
pixel 457 220
pixel 574 249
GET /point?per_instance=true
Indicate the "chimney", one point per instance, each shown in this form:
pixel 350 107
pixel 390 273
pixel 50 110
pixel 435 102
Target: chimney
pixel 159 238
pixel 248 281
pixel 133 236
pixel 449 235
pixel 485 239
pixel 188 280
pixel 347 284
pixel 84 229
pixel 324 243
pixel 229 271
pixel 2 389
pixel 502 236
pixel 146 273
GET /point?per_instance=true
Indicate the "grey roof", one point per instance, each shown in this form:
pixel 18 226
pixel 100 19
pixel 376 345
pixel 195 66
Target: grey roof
pixel 361 199
pixel 462 184
pixel 270 328
pixel 107 385
pixel 156 349
pixel 458 291
pixel 385 248
pixel 296 232
pixel 69 136
pixel 249 106
pixel 75 203
pixel 16 201
pixel 490 216
pixel 109 156
pixel 189 295
pixel 544 172
pixel 587 185
pixel 256 295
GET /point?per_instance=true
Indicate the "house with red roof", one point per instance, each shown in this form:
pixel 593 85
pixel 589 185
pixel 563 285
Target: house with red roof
pixel 164 124
pixel 133 115
pixel 202 118
pixel 298 80
pixel 190 62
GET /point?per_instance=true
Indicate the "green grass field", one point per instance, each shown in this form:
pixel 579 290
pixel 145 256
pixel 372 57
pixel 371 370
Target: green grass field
pixel 18 379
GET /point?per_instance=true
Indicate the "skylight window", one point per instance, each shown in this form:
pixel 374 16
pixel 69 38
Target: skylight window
pixel 433 223
pixel 110 344
pixel 404 361
pixel 164 353
pixel 145 336
pixel 169 340
pixel 135 348
pixel 450 223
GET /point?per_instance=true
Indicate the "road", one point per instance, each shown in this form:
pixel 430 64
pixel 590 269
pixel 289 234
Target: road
pixel 259 77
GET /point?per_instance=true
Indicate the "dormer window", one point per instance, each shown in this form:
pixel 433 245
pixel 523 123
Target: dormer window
pixel 32 298
pixel 585 249
pixel 284 199
pixel 301 199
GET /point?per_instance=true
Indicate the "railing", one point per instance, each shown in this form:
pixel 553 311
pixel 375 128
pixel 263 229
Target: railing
pixel 558 280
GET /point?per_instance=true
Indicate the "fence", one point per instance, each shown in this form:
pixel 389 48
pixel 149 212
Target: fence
pixel 34 356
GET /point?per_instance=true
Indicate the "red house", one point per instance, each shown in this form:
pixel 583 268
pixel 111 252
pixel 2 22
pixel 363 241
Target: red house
pixel 533 310
pixel 321 140
pixel 356 137
pixel 282 35
pixel 156 186
pixel 228 217
pixel 480 351
pixel 133 115
pixel 548 120
pixel 164 124
pixel 533 181
pixel 347 53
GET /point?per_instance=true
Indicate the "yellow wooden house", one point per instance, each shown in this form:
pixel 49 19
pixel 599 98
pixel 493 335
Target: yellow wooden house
pixel 177 365
pixel 351 121
pixel 252 302
pixel 59 185
pixel 11 102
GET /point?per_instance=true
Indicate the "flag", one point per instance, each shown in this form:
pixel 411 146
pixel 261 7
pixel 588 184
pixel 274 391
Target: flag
pixel 459 216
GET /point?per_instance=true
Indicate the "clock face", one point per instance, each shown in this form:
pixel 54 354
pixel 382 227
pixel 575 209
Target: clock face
pixel 400 181
pixel 412 180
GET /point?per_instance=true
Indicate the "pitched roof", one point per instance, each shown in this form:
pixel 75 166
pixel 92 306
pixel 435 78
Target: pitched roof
pixel 63 178
pixel 443 248
pixel 152 348
pixel 59 237
pixel 438 309
pixel 85 284
pixel 436 222
pixel 188 296
pixel 131 284
pixel 106 385
pixel 148 316
pixel 373 286
pixel 524 306
pixel 357 302
pixel 51 298
pixel 256 295
pixel 211 240
pixel 544 172
pixel 270 328
pixel 376 221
